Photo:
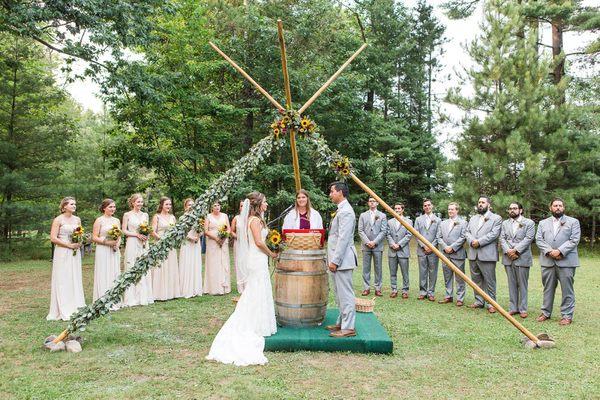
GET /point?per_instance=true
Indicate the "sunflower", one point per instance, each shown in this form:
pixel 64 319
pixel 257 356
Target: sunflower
pixel 276 238
pixel 276 132
pixel 286 120
pixel 305 123
pixel 345 171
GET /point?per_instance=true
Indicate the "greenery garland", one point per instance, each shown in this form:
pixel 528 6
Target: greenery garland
pixel 174 236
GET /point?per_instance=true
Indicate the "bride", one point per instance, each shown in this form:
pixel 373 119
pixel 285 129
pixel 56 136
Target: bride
pixel 241 339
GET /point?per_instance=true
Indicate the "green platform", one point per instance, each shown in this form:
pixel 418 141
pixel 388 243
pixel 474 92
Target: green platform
pixel 370 337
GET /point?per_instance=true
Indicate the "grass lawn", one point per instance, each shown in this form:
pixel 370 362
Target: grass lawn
pixel 157 351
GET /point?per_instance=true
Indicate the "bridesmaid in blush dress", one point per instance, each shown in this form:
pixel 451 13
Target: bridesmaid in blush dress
pixel 135 245
pixel 107 263
pixel 165 278
pixel 66 294
pixel 234 226
pixel 217 279
pixel 190 260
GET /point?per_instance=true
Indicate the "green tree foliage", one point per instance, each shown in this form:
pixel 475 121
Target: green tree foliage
pixel 518 142
pixel 36 127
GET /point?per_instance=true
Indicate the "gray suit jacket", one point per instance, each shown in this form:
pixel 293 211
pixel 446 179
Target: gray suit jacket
pixel 340 243
pixel 487 236
pixel 520 240
pixel 398 234
pixel 372 231
pixel 453 235
pixel 430 232
pixel 565 240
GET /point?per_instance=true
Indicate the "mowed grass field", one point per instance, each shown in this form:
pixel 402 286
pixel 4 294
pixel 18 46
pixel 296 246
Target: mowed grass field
pixel 157 351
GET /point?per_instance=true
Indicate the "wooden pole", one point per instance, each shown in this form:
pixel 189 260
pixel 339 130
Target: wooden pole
pixel 61 337
pixel 333 78
pixel 288 103
pixel 447 261
pixel 248 77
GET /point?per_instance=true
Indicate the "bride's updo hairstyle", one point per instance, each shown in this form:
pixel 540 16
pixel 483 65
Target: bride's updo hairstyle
pixel 256 200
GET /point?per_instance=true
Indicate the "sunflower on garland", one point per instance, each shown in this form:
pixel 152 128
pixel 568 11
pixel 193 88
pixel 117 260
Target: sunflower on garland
pixel 292 120
pixel 342 166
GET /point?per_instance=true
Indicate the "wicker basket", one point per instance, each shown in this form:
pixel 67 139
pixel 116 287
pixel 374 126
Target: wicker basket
pixel 303 241
pixel 365 305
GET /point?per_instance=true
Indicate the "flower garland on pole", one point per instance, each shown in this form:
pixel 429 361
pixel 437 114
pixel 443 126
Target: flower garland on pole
pixel 173 237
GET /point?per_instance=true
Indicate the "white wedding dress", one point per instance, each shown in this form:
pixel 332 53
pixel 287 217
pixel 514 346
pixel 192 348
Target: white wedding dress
pixel 241 339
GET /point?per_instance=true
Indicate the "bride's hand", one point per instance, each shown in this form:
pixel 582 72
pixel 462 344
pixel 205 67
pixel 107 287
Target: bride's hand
pixel 274 255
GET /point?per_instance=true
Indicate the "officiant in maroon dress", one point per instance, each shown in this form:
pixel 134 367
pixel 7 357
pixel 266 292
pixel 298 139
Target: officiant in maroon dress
pixel 303 216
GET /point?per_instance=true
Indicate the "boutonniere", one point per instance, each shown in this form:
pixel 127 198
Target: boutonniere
pixel 485 219
pixel 455 223
pixel 520 225
pixel 333 214
pixel 376 217
pixel 433 222
pixel 562 223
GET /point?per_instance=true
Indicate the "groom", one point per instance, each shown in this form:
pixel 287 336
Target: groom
pixel 342 260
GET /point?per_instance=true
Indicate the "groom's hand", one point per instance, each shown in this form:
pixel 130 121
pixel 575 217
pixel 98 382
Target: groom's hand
pixel 332 267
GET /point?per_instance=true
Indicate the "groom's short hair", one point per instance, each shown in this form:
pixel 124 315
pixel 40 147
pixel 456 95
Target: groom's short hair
pixel 341 186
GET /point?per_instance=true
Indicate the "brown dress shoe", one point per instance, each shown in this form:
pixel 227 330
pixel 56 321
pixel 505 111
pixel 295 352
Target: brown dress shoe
pixel 565 321
pixel 513 312
pixel 421 297
pixel 491 310
pixel 333 328
pixel 393 295
pixel 431 298
pixel 405 295
pixel 523 314
pixel 542 318
pixel 459 303
pixel 366 292
pixel 475 305
pixel 343 333
pixel 378 293
pixel 446 300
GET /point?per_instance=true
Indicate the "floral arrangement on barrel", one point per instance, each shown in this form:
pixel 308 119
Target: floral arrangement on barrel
pixel 292 120
pixel 114 233
pixel 79 236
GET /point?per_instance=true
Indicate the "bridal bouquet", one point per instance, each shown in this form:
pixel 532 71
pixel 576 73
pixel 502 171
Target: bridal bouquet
pixel 274 241
pixel 200 226
pixel 78 236
pixel 145 229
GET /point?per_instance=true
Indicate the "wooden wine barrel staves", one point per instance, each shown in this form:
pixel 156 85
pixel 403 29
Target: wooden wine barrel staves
pixel 301 287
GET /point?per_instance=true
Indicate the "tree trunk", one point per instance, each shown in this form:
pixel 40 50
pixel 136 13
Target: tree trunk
pixel 557 48
pixel 369 105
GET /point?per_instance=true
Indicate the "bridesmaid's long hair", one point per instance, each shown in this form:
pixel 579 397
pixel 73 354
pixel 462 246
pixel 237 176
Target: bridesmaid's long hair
pixel 161 203
pixel 256 200
pixel 131 200
pixel 64 202
pixel 105 203
pixel 308 205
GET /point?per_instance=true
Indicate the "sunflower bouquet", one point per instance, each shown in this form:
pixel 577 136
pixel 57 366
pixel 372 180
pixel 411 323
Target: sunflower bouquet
pixel 78 236
pixel 200 226
pixel 274 241
pixel 145 229
pixel 223 232
pixel 114 233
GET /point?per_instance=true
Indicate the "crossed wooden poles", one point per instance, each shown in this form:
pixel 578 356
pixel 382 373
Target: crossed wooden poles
pixel 288 98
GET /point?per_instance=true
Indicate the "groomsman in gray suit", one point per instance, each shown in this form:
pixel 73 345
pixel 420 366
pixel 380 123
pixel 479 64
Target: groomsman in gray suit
pixel 482 241
pixel 427 225
pixel 399 251
pixel 558 237
pixel 451 240
pixel 342 260
pixel 516 237
pixel 372 229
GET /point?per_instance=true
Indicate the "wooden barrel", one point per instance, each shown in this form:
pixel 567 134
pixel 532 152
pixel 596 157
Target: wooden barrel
pixel 301 287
